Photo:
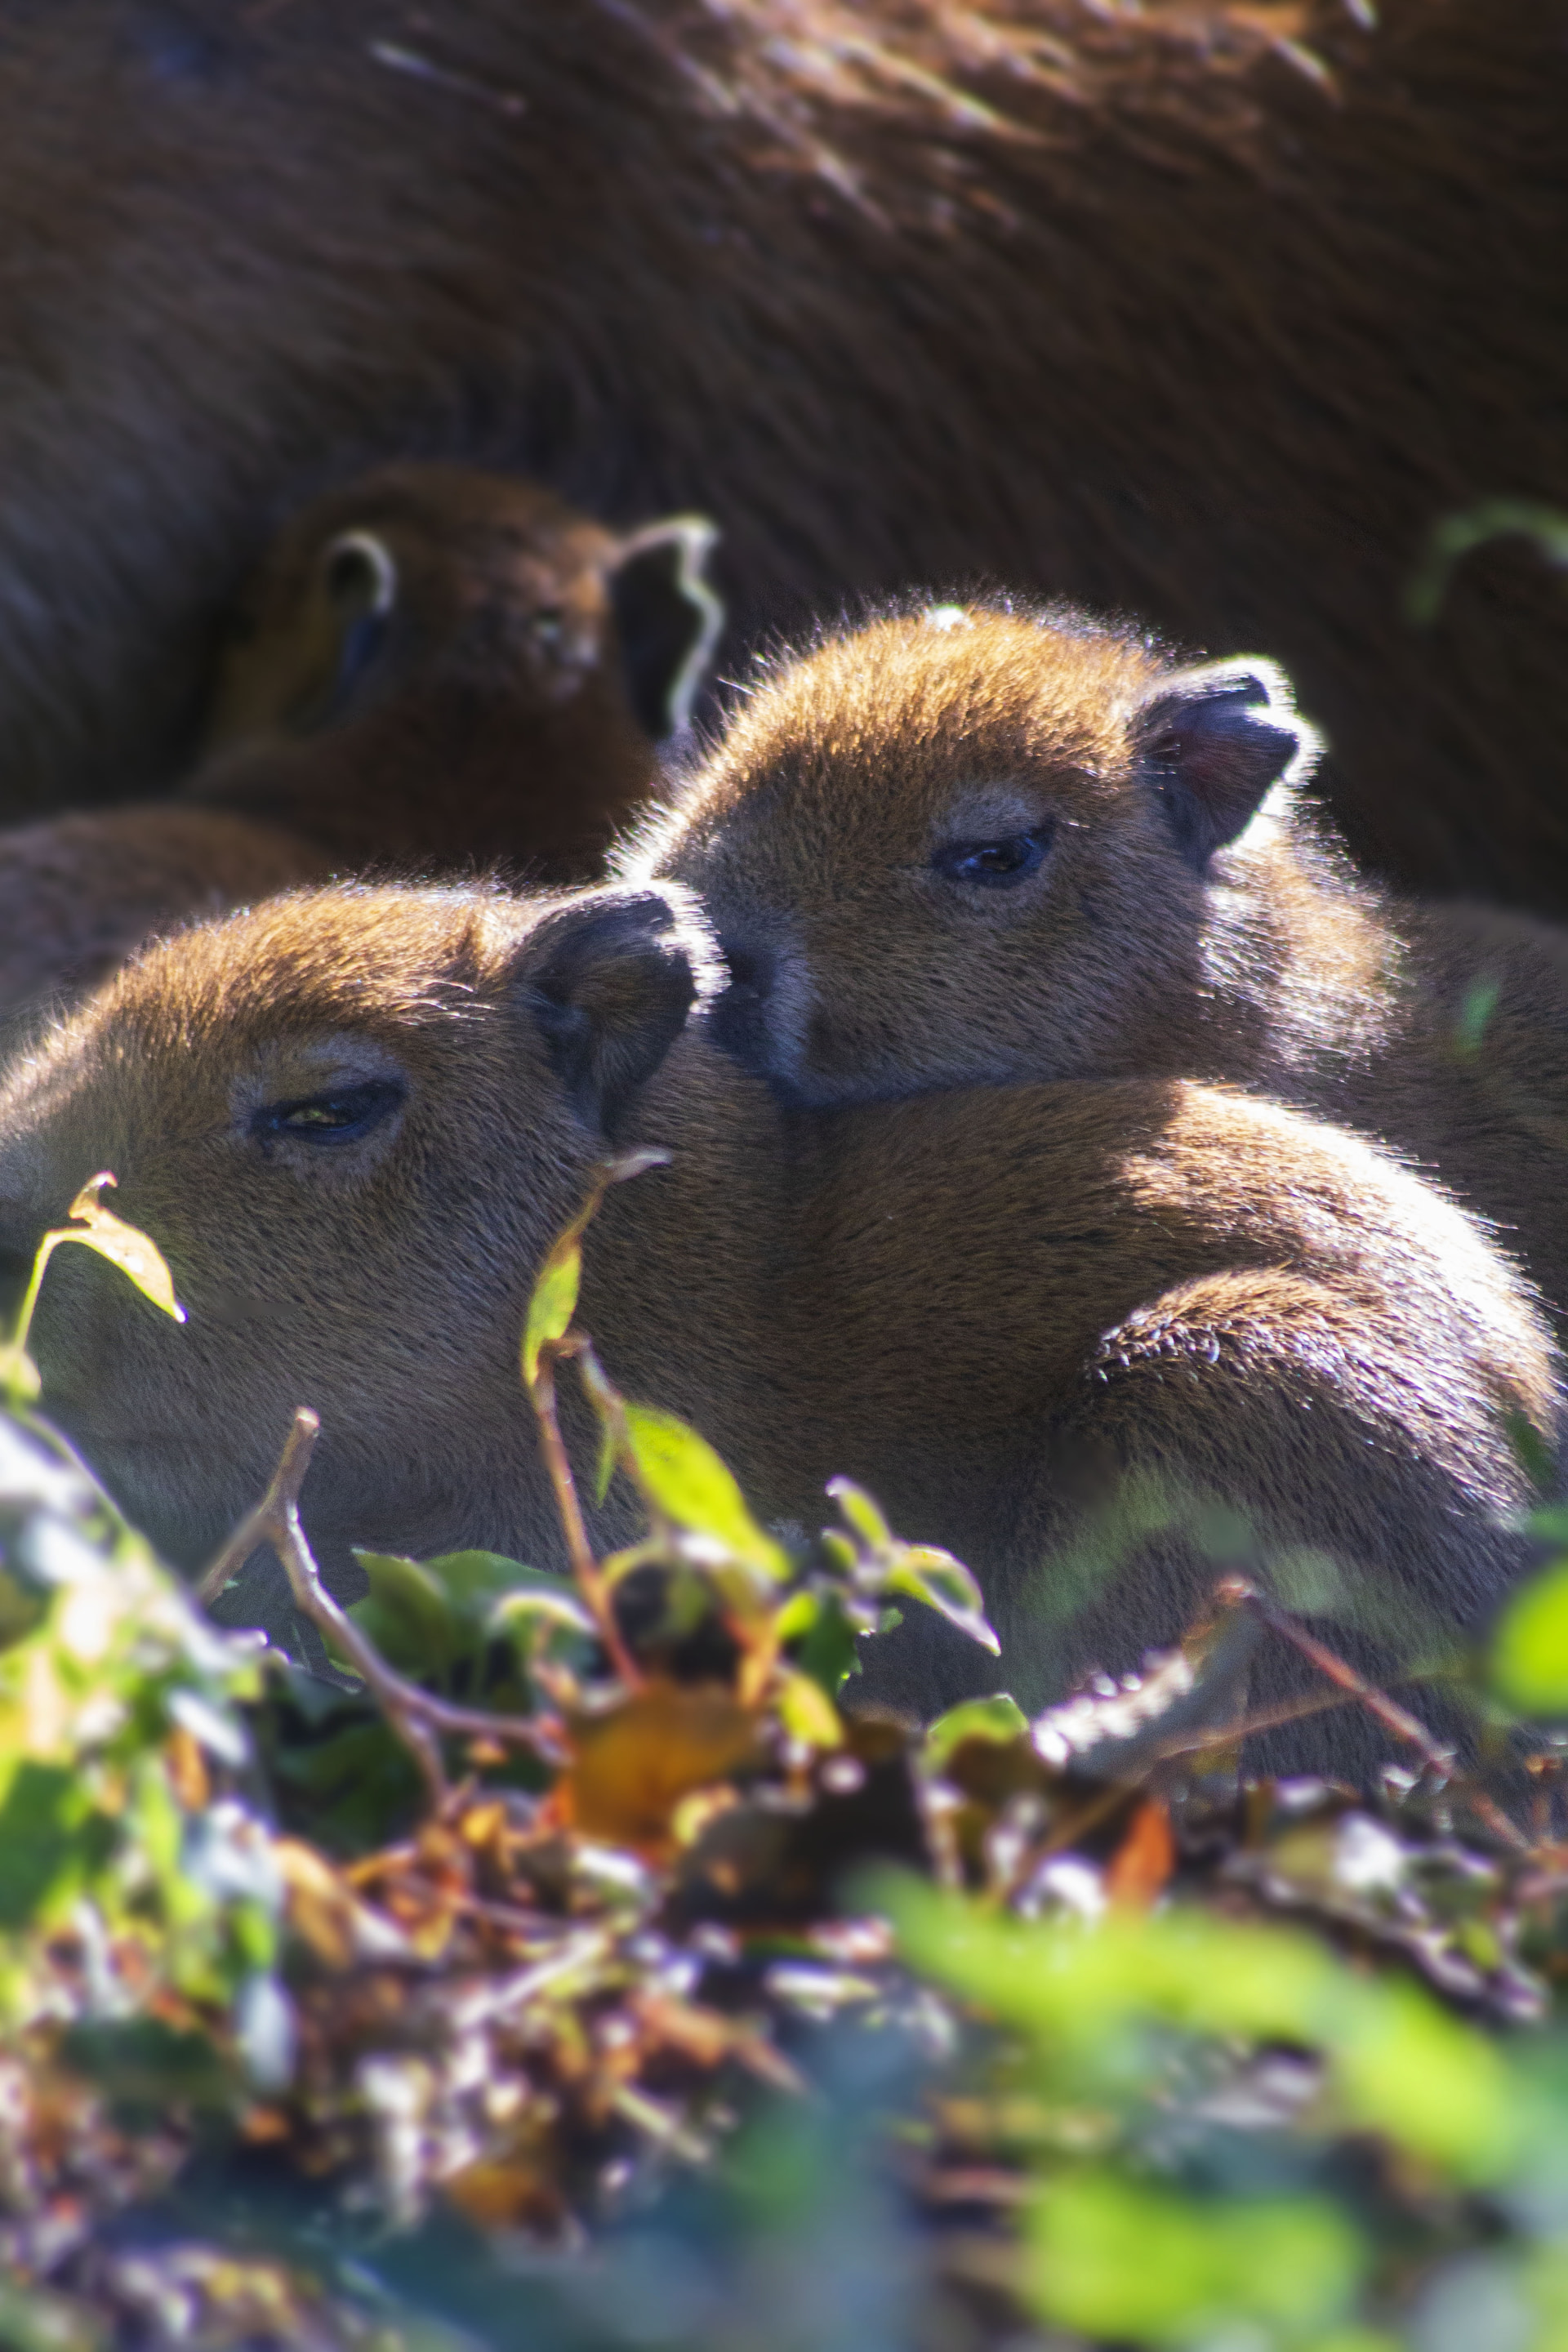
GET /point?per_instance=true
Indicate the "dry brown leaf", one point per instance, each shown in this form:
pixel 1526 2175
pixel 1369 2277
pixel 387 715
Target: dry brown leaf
pixel 632 1765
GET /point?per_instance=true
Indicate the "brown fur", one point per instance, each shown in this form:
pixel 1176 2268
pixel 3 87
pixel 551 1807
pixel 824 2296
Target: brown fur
pixel 433 668
pixel 1122 306
pixel 815 831
pixel 984 1306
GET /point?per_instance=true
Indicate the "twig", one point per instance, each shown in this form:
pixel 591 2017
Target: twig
pixel 1377 1702
pixel 579 1551
pixel 415 1715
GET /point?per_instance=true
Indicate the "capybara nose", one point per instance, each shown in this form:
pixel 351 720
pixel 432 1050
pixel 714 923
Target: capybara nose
pixel 738 1023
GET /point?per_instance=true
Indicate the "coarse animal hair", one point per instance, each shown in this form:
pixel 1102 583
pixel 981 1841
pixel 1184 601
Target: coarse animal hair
pixel 1202 311
pixel 433 669
pixel 978 845
pixel 1068 1330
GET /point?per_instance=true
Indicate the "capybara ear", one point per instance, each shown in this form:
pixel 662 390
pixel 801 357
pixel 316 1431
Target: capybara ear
pixel 609 979
pixel 669 618
pixel 355 590
pixel 1212 742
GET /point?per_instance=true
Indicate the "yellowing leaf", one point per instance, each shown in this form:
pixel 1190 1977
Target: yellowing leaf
pixel 127 1246
pixel 633 1764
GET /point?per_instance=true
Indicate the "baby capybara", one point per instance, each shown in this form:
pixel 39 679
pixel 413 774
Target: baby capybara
pixel 432 670
pixel 977 845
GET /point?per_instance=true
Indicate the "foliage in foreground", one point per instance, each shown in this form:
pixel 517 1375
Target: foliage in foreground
pixel 577 1971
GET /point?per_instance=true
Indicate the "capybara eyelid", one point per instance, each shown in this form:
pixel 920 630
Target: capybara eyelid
pixel 340 1115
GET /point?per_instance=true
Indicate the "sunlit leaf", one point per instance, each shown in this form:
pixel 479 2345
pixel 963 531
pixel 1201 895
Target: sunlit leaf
pixel 861 1513
pixel 554 1298
pixel 554 1303
pixel 807 1714
pixel 1529 1647
pixel 945 1585
pixel 1115 2259
pixel 684 1480
pixel 1000 1718
pixel 138 1259
pixel 1398 2064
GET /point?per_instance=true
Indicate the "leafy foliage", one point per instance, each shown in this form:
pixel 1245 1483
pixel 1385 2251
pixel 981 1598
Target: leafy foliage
pixel 830 2031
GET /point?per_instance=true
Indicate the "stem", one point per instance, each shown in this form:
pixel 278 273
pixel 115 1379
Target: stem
pixel 45 1251
pixel 414 1715
pixel 585 1569
pixel 1387 1711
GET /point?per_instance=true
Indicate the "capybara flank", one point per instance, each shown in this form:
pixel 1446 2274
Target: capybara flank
pixel 433 669
pixel 1040 1323
pixel 977 845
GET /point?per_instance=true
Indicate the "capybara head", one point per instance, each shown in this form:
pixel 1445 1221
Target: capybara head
pixel 425 572
pixel 968 844
pixel 353 1120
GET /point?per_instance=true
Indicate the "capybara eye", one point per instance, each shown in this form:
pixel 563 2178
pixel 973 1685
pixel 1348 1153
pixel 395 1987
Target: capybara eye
pixel 549 624
pixel 993 863
pixel 337 1118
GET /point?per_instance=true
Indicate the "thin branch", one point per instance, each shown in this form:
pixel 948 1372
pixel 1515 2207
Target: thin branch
pixel 585 1567
pixel 415 1715
pixel 1377 1702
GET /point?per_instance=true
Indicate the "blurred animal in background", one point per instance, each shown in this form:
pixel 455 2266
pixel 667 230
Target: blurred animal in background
pixel 1202 311
pixel 980 846
pixel 432 670
pixel 1054 1328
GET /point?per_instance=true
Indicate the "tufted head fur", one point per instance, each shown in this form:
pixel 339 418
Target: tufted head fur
pixel 1048 1325
pixel 973 843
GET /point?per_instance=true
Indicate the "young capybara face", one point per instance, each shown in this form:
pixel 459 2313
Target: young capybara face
pixel 422 573
pixel 439 668
pixel 348 1137
pixel 969 844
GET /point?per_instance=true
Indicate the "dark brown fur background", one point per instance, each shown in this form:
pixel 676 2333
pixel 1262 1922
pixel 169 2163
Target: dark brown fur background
pixel 1152 311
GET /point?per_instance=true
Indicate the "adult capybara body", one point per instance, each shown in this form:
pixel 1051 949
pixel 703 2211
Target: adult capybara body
pixel 976 846
pixel 1051 1327
pixel 1148 307
pixel 432 670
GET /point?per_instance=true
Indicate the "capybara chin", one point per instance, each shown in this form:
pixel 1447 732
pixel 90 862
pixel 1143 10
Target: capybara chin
pixel 434 670
pixel 1052 1326
pixel 1116 304
pixel 972 843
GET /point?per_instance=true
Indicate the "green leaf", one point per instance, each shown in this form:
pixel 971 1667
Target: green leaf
pixel 686 1481
pixel 945 1585
pixel 807 1714
pixel 861 1513
pixel 1529 1647
pixel 1398 2064
pixel 554 1301
pixel 818 1623
pixel 40 1825
pixel 1458 534
pixel 408 1614
pixel 1000 1718
pixel 1114 2258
